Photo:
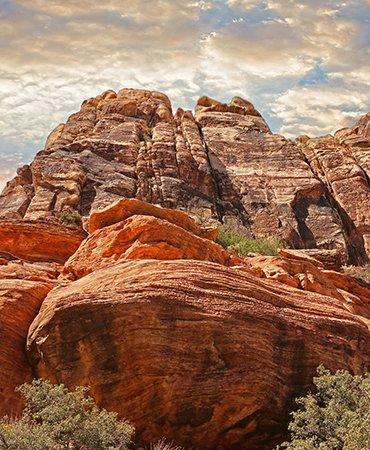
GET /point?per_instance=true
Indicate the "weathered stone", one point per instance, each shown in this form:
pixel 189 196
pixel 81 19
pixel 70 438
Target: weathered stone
pixel 23 287
pixel 223 163
pixel 39 241
pixel 17 195
pixel 143 237
pixel 304 272
pixel 190 343
pixel 204 354
pixel 264 179
pixel 342 162
pixel 126 208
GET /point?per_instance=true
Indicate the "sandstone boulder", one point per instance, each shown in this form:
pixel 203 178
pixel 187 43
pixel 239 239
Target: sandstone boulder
pixel 144 237
pixel 23 287
pixel 206 355
pixel 125 208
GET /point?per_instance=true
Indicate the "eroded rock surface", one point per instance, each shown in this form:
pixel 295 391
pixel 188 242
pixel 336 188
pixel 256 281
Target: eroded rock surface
pixel 224 164
pixel 204 354
pixel 264 179
pixel 342 162
pixel 131 229
pixel 168 328
pixel 23 287
pixel 39 241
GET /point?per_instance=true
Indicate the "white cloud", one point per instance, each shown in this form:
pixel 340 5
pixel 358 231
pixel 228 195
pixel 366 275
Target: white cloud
pixel 315 110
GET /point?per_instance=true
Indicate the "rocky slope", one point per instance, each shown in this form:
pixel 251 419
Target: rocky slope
pixel 140 303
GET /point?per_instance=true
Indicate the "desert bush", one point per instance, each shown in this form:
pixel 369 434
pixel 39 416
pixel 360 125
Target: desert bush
pixel 237 242
pixel 336 417
pixel 70 218
pixel 55 418
pixel 200 217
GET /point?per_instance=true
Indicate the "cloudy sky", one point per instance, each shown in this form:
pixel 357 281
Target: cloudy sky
pixel 305 64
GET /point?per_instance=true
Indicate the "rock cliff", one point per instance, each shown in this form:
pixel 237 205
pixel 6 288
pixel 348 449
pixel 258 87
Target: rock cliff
pixel 223 162
pixel 107 280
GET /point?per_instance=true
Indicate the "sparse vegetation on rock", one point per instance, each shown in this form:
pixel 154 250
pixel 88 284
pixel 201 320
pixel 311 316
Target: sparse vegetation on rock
pixel 70 217
pixel 361 273
pixel 164 445
pixel 236 242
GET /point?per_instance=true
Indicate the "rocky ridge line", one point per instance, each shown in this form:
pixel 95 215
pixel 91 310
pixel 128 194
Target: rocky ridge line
pixel 222 163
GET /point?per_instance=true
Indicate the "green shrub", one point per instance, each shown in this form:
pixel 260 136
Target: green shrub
pixel 336 417
pixel 55 418
pixel 236 242
pixel 70 218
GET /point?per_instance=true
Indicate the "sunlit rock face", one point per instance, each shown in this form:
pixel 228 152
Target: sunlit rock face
pixel 224 163
pixel 107 279
pixel 207 355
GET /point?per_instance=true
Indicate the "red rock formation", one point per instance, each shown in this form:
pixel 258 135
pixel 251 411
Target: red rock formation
pixel 342 162
pixel 118 145
pixel 123 209
pixel 304 272
pixel 39 241
pixel 204 354
pixel 264 178
pixel 182 343
pixel 143 237
pixel 223 163
pixel 23 287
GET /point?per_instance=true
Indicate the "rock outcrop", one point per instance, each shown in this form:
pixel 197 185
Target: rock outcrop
pixel 342 163
pixel 39 241
pixel 264 179
pixel 107 280
pixel 223 163
pixel 138 230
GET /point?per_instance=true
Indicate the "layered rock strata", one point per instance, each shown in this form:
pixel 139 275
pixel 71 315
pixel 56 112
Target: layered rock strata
pixel 23 287
pixel 223 163
pixel 206 355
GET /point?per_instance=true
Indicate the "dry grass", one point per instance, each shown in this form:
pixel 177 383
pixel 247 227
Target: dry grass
pixel 361 273
pixel 236 242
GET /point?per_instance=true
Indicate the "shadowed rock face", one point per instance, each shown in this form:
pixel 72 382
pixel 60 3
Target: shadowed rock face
pixel 223 163
pixel 168 328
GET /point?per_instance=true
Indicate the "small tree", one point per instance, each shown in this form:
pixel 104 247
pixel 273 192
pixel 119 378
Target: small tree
pixel 55 418
pixel 337 417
